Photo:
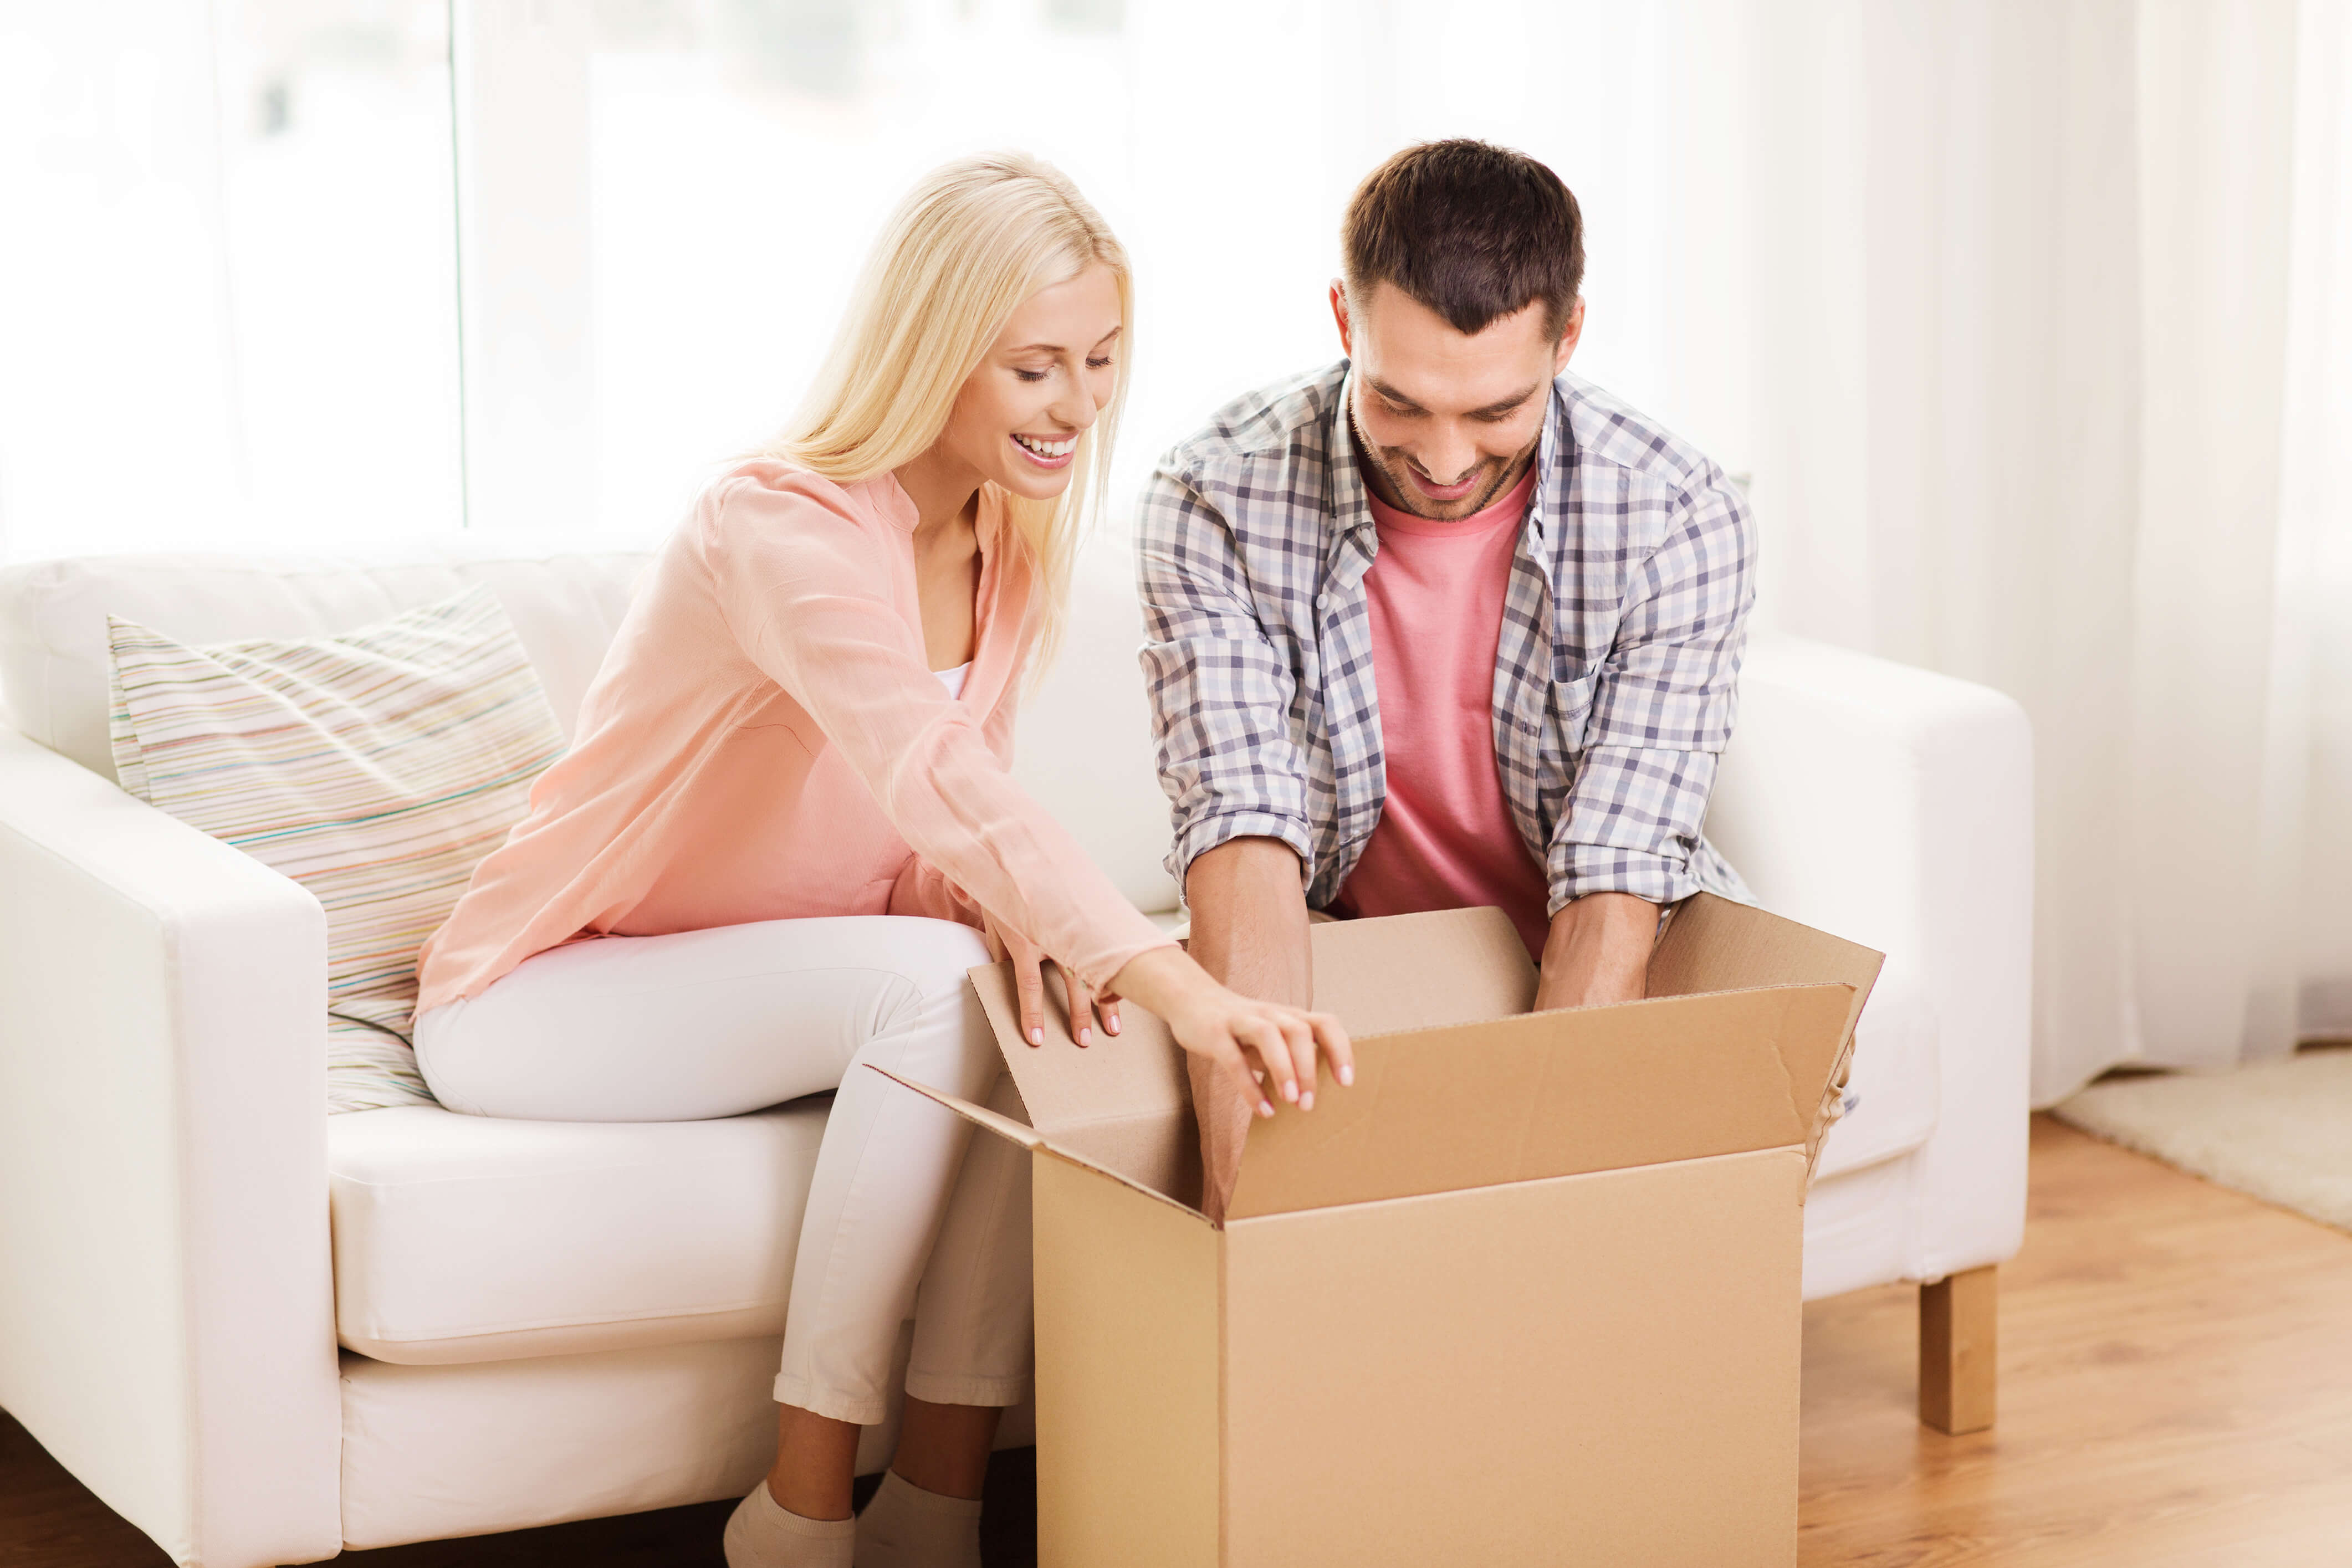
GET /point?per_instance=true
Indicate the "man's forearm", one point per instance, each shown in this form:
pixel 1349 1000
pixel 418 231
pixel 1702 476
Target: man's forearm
pixel 1249 931
pixel 1249 920
pixel 1598 952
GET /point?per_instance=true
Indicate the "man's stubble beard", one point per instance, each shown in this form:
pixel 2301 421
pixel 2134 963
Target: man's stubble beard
pixel 1409 501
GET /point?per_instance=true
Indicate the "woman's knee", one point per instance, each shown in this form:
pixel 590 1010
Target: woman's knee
pixel 939 1029
pixel 936 956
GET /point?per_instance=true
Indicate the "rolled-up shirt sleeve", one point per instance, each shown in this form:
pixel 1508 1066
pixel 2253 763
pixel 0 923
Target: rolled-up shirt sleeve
pixel 1662 705
pixel 805 592
pixel 1221 689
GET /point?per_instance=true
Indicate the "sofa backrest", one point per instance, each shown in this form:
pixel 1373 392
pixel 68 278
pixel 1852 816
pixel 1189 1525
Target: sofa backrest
pixel 1084 736
pixel 53 651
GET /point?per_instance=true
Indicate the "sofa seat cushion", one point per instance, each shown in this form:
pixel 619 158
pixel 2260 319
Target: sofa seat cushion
pixel 469 1239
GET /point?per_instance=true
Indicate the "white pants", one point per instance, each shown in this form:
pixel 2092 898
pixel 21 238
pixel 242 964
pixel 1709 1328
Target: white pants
pixel 723 1021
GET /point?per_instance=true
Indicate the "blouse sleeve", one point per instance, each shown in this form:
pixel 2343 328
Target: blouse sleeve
pixel 805 589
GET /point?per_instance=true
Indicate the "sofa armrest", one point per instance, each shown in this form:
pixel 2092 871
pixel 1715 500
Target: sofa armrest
pixel 1895 807
pixel 166 1300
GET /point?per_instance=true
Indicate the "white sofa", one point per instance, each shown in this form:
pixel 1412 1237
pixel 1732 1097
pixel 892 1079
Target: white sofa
pixel 263 1334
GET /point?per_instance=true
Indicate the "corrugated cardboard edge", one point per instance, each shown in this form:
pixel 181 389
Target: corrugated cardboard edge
pixel 1033 1140
pixel 1861 968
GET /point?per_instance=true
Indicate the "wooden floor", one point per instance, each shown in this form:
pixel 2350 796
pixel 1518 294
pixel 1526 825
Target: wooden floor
pixel 2176 1387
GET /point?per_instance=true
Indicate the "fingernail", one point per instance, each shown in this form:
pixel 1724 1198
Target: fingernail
pixel 1086 1036
pixel 1307 1101
pixel 1290 1092
pixel 1111 1023
pixel 1037 1037
pixel 1346 1076
pixel 1265 1107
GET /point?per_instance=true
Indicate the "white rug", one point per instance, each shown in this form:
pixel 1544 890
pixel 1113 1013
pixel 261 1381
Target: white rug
pixel 2280 1131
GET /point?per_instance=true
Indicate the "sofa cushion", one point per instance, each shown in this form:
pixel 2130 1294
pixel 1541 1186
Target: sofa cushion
pixel 374 769
pixel 53 648
pixel 469 1239
pixel 432 1453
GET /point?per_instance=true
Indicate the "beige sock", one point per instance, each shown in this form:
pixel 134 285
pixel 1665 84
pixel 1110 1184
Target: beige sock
pixel 907 1527
pixel 764 1533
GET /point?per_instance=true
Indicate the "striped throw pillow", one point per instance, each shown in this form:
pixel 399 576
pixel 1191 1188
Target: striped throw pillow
pixel 374 769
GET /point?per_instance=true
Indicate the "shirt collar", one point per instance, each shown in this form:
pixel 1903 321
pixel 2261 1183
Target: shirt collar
pixel 1555 448
pixel 1349 512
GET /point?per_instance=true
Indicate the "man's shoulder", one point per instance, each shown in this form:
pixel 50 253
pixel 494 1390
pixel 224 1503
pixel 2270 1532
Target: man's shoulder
pixel 1288 421
pixel 1609 431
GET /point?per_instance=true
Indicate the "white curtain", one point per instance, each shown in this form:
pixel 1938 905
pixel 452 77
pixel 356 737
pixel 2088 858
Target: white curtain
pixel 2051 372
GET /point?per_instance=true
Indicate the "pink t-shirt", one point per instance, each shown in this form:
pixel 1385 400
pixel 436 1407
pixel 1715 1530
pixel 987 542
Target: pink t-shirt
pixel 1445 839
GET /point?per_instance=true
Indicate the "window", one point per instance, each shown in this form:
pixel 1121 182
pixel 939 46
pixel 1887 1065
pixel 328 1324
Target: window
pixel 248 323
pixel 228 307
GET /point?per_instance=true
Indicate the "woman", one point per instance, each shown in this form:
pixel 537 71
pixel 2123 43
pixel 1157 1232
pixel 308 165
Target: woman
pixel 785 824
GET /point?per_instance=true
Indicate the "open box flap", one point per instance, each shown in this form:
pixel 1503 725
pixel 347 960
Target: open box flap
pixel 1139 1071
pixel 1421 971
pixel 1125 1104
pixel 1375 974
pixel 1122 1103
pixel 1712 943
pixel 1552 1095
pixel 1028 1137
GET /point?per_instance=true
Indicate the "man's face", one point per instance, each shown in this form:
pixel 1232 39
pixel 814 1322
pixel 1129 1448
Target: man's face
pixel 1448 419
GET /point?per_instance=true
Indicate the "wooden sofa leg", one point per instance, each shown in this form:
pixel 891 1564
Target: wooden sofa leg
pixel 1958 1317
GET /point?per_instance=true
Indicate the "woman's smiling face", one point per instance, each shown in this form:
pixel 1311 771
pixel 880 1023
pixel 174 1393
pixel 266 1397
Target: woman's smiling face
pixel 1040 386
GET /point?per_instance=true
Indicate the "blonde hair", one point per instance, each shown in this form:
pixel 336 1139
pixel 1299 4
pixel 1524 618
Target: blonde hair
pixel 970 243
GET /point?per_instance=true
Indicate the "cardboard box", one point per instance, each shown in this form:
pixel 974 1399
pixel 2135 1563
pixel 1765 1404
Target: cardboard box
pixel 1527 1294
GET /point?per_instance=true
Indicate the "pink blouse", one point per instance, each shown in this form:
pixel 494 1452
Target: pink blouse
pixel 766 741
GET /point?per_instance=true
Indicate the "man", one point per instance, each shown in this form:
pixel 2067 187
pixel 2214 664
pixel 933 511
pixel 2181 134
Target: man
pixel 1440 626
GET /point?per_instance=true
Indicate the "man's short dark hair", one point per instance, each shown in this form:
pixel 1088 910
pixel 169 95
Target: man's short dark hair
pixel 1474 231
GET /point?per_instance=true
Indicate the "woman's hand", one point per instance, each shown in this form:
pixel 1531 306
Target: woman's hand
pixel 1029 985
pixel 1274 1045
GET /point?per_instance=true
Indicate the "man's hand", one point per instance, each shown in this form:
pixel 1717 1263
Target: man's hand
pixel 1598 952
pixel 1249 931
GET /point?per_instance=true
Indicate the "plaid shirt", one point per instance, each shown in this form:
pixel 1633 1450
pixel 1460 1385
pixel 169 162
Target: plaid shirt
pixel 1615 677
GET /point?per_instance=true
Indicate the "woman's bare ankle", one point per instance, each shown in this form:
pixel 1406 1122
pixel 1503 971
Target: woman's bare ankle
pixel 816 1457
pixel 943 1448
